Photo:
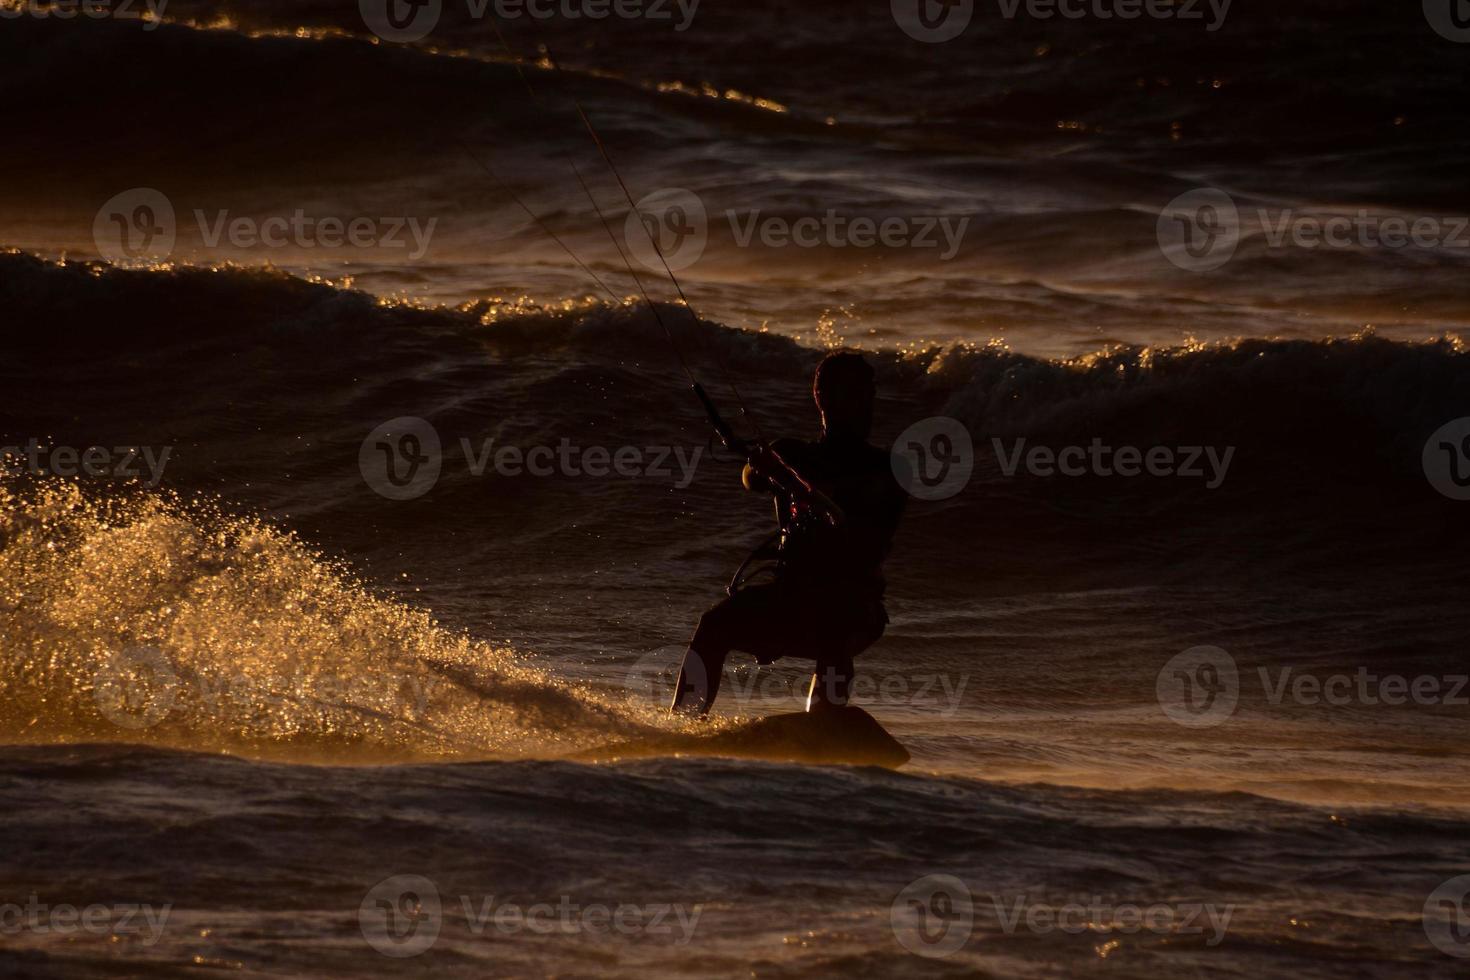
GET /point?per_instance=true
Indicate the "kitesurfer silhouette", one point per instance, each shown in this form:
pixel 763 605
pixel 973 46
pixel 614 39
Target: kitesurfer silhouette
pixel 839 505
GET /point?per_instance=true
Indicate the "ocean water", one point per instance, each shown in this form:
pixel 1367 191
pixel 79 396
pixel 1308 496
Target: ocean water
pixel 278 714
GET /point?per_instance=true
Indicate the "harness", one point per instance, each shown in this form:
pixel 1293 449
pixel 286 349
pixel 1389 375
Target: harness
pixel 798 503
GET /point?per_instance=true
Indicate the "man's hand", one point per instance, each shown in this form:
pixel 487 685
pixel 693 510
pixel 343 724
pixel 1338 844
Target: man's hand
pixel 766 466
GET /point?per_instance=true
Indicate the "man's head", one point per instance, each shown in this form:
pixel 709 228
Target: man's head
pixel 844 390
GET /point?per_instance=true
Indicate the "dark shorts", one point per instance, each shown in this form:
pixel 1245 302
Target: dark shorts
pixel 776 620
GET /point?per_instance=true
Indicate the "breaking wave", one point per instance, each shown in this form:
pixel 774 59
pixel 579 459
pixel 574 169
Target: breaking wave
pixel 145 618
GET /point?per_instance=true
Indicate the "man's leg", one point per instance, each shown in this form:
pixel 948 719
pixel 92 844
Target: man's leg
pixel 843 636
pixel 699 680
pixel 756 620
pixel 831 681
pixel 704 662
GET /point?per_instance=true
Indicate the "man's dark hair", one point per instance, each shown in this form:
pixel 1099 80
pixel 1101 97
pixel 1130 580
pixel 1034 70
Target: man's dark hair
pixel 842 369
pixel 844 388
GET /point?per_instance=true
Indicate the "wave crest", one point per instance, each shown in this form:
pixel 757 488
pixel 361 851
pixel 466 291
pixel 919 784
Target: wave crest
pixel 143 618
